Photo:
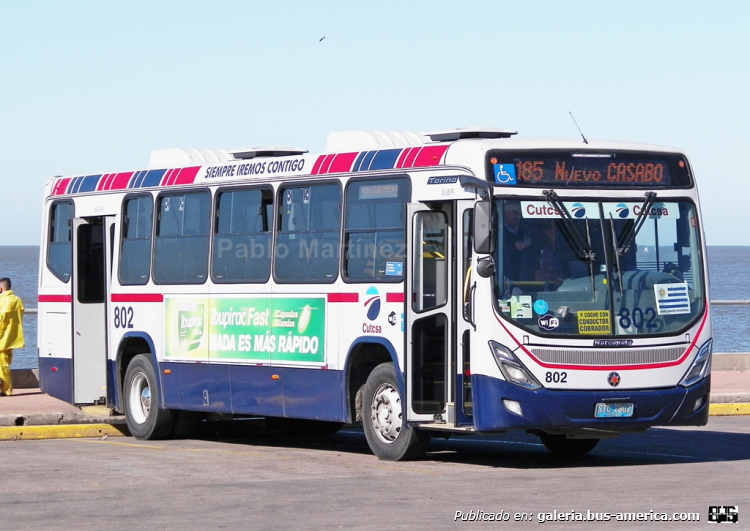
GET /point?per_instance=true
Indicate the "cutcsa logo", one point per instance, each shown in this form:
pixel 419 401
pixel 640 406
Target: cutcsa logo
pixel 372 303
pixel 578 210
pixel 622 210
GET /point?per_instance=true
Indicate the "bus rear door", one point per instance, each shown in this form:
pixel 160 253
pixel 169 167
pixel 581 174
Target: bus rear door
pixel 91 279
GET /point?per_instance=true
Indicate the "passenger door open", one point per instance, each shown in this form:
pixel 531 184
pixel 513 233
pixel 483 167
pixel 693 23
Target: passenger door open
pixel 428 314
pixel 91 280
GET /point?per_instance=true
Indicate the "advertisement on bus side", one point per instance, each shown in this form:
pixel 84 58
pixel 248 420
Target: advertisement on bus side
pixel 246 328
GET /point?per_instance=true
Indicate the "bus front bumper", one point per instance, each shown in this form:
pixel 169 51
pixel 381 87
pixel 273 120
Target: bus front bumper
pixel 559 411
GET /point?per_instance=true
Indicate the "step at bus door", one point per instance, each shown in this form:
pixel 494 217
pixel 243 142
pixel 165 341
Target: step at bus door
pixel 428 314
pixel 91 272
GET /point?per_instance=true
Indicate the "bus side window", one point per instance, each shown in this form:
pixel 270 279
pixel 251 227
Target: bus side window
pixel 307 241
pixel 374 235
pixel 135 254
pixel 242 236
pixel 60 240
pixel 181 241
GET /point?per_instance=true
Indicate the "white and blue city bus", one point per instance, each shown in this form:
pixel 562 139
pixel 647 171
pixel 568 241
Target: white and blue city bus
pixel 462 281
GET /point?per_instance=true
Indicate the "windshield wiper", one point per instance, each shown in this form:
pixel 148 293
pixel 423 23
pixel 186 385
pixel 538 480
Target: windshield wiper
pixel 581 247
pixel 631 230
pixel 617 252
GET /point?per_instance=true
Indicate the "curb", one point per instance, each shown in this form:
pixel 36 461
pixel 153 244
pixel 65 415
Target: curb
pixel 66 431
pixel 729 409
pixel 20 420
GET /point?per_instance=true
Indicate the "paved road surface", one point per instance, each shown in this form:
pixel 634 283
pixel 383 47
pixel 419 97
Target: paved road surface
pixel 239 476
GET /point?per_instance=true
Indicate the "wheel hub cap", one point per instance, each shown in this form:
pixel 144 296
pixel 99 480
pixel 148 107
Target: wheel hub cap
pixel 386 413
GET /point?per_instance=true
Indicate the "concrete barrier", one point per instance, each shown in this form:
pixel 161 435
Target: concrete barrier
pixel 25 378
pixel 735 361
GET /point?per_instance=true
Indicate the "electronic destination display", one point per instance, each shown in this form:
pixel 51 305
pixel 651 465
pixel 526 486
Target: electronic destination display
pixel 610 170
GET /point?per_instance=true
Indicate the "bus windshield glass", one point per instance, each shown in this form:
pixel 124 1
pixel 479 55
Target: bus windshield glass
pixel 598 269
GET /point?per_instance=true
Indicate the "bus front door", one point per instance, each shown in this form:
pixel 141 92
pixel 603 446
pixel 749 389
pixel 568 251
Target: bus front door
pixel 90 289
pixel 428 314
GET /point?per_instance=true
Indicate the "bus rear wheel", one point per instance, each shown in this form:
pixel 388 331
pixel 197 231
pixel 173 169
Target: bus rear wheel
pixel 383 418
pixel 561 445
pixel 146 420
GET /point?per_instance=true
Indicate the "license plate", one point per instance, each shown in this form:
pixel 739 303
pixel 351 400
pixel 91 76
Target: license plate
pixel 612 410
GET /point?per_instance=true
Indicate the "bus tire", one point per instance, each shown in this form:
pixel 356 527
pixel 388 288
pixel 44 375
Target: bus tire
pixel 559 444
pixel 383 416
pixel 146 420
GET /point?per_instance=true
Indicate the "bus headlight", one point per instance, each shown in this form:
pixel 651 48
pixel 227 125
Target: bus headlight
pixel 701 365
pixel 511 368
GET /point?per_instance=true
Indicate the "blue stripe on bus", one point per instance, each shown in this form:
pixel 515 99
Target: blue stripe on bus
pixel 137 179
pixel 56 378
pixel 385 159
pixel 112 399
pixel 152 178
pixel 358 162
pixel 74 185
pixel 250 390
pixel 546 408
pixel 313 394
pixel 366 161
pixel 88 183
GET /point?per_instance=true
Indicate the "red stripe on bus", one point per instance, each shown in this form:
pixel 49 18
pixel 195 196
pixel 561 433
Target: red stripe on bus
pixel 106 182
pixel 137 297
pixel 342 162
pixel 343 297
pixel 430 156
pixel 409 160
pixel 186 175
pixel 167 179
pixel 402 157
pixel 316 166
pixel 326 163
pixel 54 298
pixel 119 181
pixel 102 182
pixel 61 185
pixel 394 297
pixel 173 177
pixel 609 367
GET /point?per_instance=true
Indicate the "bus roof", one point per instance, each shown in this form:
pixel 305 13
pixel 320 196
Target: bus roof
pixel 347 152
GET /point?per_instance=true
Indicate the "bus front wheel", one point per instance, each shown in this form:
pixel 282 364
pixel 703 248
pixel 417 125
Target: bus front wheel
pixel 146 420
pixel 561 445
pixel 384 418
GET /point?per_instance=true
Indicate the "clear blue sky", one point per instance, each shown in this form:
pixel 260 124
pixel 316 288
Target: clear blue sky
pixel 93 87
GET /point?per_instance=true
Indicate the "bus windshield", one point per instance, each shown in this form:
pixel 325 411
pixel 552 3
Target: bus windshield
pixel 598 269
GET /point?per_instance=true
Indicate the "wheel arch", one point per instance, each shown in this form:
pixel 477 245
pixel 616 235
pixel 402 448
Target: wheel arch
pixel 366 353
pixel 131 345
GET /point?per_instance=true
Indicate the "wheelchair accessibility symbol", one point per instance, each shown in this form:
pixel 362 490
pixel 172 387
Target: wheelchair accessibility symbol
pixel 505 174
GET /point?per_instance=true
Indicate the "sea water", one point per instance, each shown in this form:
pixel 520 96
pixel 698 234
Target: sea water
pixel 729 278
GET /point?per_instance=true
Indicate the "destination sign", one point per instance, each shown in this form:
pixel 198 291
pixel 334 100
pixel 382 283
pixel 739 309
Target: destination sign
pixel 586 170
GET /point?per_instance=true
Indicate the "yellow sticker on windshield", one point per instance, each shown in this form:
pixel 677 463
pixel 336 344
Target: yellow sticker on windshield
pixel 594 322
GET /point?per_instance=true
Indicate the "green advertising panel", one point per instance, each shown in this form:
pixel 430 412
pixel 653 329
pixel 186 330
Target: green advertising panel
pixel 260 329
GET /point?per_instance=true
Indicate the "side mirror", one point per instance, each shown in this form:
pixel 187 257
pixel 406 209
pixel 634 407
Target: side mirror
pixel 484 243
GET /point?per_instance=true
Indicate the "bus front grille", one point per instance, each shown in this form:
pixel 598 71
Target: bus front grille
pixel 639 356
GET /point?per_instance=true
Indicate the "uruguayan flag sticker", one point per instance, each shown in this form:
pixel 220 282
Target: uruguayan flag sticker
pixel 672 299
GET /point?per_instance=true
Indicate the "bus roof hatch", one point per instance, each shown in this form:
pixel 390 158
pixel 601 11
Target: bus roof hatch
pixel 267 151
pixel 447 135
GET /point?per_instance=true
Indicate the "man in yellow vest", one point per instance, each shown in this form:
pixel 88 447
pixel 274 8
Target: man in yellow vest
pixel 11 332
